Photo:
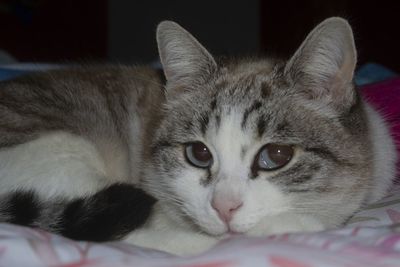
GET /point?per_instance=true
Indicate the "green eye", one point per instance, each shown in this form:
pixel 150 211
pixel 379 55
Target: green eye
pixel 272 157
pixel 198 155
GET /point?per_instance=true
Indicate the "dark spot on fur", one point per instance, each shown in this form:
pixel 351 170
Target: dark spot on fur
pixel 299 179
pixel 207 179
pixel 255 106
pixel 318 189
pixel 265 90
pixel 213 104
pixel 298 174
pixel 107 215
pixel 161 144
pixel 325 153
pixel 217 120
pixel 243 152
pixel 253 174
pixel 188 125
pixel 356 104
pixel 314 167
pixel 261 125
pixel 204 120
pixel 23 208
pixel 282 126
pixel 351 119
pixel 300 190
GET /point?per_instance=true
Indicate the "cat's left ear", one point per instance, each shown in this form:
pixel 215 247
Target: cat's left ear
pixel 184 59
pixel 324 64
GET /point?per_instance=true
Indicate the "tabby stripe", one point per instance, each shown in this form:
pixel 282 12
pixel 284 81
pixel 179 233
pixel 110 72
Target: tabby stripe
pixel 213 104
pixel 217 121
pixel 297 174
pixel 255 106
pixel 327 154
pixel 261 126
pixel 160 145
pixel 265 90
pixel 204 120
pixel 207 179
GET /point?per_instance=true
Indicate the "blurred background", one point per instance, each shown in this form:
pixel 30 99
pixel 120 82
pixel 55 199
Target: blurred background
pixel 124 31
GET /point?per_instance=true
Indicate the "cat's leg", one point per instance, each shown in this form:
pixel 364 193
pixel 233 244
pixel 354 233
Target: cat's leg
pixel 161 233
pixel 177 242
pixel 287 223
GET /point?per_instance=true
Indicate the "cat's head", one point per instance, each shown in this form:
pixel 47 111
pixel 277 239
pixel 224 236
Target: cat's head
pixel 244 140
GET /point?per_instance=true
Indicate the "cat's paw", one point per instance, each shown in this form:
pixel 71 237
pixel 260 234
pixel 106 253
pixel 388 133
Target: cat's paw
pixel 286 223
pixel 181 243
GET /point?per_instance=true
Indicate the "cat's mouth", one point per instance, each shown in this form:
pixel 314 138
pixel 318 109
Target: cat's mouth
pixel 220 229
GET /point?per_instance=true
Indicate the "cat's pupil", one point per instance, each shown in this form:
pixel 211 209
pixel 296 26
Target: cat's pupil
pixel 201 152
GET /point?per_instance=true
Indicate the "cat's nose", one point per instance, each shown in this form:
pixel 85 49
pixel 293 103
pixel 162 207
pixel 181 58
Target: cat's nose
pixel 226 207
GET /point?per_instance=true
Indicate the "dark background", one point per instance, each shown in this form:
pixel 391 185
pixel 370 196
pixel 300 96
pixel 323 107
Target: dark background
pixel 123 31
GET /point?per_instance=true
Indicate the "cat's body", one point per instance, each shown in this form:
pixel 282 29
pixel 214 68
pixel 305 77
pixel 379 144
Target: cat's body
pixel 252 146
pixel 67 134
pixel 100 115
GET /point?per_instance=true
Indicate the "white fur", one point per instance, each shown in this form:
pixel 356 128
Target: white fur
pixel 55 164
pixel 384 152
pixel 162 233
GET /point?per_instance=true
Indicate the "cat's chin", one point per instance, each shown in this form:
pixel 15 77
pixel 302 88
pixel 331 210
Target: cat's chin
pixel 213 231
pixel 223 235
pixel 223 230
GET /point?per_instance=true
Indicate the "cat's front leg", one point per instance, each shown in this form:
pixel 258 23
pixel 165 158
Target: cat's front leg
pixel 162 233
pixel 287 223
pixel 177 242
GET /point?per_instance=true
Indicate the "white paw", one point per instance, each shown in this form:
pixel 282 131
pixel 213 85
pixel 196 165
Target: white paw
pixel 181 243
pixel 286 223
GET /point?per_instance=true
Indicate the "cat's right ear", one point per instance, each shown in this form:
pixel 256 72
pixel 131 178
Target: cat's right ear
pixel 185 61
pixel 325 62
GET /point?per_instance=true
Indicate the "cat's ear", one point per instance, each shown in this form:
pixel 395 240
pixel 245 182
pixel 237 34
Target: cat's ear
pixel 324 64
pixel 184 59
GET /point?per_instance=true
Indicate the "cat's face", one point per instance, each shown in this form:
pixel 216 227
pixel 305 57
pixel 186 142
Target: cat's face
pixel 247 140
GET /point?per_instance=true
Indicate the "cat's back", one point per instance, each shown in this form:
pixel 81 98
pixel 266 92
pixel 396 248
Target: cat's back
pixel 83 100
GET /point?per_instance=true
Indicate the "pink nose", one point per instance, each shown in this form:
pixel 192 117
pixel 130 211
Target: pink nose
pixel 226 208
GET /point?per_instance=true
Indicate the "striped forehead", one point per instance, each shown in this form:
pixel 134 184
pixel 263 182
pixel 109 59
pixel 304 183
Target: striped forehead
pixel 230 139
pixel 239 105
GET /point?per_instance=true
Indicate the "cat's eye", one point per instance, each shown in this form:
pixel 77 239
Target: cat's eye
pixel 272 157
pixel 198 155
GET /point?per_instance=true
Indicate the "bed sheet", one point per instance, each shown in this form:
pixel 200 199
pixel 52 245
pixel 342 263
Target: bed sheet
pixel 372 238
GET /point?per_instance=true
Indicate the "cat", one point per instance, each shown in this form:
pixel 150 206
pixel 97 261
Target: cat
pixel 250 146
